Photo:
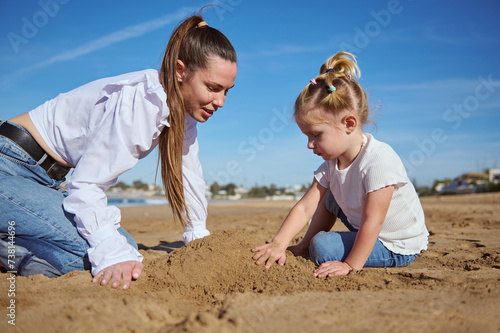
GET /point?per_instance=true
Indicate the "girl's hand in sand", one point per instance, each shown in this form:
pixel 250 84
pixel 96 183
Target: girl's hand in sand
pixel 124 270
pixel 269 253
pixel 332 268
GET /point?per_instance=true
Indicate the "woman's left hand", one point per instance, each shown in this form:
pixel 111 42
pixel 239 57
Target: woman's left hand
pixel 332 268
pixel 125 271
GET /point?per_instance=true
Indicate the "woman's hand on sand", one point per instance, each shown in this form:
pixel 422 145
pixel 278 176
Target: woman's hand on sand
pixel 125 271
pixel 269 253
pixel 332 268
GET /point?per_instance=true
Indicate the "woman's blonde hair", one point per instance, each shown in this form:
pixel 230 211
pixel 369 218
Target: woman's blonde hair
pixel 194 46
pixel 334 90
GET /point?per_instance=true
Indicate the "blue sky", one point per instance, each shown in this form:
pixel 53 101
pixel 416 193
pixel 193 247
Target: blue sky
pixel 431 69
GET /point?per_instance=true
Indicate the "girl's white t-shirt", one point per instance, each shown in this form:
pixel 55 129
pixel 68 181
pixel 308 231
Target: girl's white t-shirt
pixel 103 128
pixel 377 166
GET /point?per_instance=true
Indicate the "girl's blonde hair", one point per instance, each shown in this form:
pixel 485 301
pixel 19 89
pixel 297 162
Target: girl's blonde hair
pixel 334 90
pixel 194 45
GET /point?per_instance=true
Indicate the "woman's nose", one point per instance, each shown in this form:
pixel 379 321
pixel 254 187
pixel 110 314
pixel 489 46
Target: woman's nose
pixel 219 100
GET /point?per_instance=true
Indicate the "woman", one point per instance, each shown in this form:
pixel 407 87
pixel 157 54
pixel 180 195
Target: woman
pixel 101 130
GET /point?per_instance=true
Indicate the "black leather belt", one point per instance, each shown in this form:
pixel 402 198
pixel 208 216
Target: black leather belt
pixel 24 140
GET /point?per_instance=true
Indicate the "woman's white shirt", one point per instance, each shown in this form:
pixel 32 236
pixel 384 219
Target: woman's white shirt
pixel 103 128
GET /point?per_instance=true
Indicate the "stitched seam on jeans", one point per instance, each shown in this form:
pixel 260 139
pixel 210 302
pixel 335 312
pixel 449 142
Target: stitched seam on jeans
pixel 32 168
pixel 70 264
pixel 24 208
pixel 23 163
pixel 384 260
pixel 409 260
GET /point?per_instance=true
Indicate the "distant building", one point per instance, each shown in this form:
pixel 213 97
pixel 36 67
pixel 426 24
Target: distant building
pixel 439 187
pixel 494 175
pixel 472 182
pixel 294 192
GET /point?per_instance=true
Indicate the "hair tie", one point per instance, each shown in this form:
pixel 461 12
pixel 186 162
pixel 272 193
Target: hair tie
pixel 313 82
pixel 330 70
pixel 331 88
pixel 202 24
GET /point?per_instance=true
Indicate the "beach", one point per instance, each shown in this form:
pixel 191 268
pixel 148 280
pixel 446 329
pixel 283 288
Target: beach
pixel 213 285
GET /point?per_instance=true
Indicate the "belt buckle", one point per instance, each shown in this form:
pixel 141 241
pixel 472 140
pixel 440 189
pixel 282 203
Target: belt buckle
pixel 57 171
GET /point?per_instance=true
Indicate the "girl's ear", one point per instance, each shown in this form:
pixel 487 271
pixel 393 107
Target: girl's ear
pixel 350 122
pixel 180 70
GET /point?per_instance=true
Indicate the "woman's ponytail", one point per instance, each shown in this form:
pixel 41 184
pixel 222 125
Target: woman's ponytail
pixel 192 43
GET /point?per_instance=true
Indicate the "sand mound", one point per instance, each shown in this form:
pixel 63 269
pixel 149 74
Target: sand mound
pixel 209 269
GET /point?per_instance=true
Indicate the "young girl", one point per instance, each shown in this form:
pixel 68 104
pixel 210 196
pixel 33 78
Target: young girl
pixel 362 181
pixel 101 130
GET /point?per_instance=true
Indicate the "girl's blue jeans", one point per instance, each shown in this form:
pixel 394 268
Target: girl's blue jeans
pixel 42 238
pixel 335 246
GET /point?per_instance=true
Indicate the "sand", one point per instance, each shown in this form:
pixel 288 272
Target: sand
pixel 212 284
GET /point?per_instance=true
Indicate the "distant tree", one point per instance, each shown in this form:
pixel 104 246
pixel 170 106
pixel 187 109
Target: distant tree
pixel 272 190
pixel 257 192
pixel 493 187
pixel 424 191
pixel 139 185
pixel 230 189
pixel 122 185
pixel 215 188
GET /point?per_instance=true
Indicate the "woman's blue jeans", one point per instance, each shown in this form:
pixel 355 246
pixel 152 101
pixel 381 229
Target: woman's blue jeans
pixel 336 246
pixel 42 238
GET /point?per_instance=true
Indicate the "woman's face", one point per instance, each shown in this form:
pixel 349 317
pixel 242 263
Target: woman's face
pixel 205 90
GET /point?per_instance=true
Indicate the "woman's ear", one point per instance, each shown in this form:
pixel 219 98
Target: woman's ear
pixel 180 70
pixel 350 122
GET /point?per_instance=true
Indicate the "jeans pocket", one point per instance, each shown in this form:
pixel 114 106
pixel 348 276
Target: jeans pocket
pixel 14 153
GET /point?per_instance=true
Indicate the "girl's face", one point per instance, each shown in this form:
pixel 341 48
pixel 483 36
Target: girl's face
pixel 333 141
pixel 205 91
